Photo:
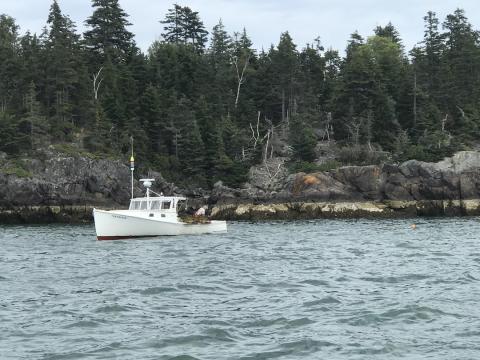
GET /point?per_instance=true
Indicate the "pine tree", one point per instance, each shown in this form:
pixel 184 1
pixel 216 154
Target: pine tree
pixel 429 61
pixel 311 78
pixel 302 139
pixel 189 141
pixel 9 58
pixel 174 25
pixel 211 133
pixel 183 25
pixel 194 29
pixel 33 124
pixel 463 57
pixel 389 31
pixel 191 107
pixel 150 113
pixel 12 141
pixel 355 41
pixel 369 78
pixel 108 36
pixel 220 46
pixel 220 56
pixel 62 69
pixel 285 64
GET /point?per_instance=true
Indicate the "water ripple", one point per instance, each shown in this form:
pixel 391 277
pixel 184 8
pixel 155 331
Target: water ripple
pixel 326 289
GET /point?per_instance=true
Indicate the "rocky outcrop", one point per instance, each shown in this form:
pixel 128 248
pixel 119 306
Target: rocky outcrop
pixel 455 178
pixel 62 180
pixel 449 187
pixel 363 209
pixel 59 187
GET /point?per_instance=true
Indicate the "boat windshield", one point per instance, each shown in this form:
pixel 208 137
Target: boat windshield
pixel 152 205
pixel 135 205
pixel 166 205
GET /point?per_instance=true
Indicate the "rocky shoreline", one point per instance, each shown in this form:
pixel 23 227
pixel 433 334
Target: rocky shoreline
pixel 277 211
pixel 347 210
pixel 66 188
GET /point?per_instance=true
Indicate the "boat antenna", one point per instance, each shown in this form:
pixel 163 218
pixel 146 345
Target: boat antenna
pixel 132 163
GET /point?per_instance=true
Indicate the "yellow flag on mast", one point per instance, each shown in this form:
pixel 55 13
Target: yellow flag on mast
pixel 132 160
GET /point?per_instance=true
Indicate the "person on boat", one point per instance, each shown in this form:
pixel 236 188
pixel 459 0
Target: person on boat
pixel 200 211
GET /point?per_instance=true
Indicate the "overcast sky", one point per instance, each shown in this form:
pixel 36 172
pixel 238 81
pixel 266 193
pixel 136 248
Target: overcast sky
pixel 332 20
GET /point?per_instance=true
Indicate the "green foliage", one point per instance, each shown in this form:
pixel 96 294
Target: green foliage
pixel 303 141
pixel 12 139
pixel 67 149
pixel 232 173
pixel 361 155
pixel 182 25
pixel 108 37
pixel 193 111
pixel 309 167
pixel 16 168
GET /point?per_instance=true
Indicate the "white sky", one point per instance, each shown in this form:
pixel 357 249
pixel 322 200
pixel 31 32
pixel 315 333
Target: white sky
pixel 332 20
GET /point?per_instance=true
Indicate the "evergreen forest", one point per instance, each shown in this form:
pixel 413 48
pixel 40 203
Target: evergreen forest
pixel 205 105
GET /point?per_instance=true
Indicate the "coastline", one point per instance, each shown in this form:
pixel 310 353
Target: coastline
pixel 65 189
pixel 347 210
pixel 77 214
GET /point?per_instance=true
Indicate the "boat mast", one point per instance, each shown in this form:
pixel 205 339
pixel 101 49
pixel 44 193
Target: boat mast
pixel 132 164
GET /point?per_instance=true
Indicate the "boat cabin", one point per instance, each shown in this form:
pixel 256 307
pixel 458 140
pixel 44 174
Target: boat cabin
pixel 161 203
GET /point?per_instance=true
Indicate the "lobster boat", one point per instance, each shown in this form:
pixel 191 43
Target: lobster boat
pixel 151 216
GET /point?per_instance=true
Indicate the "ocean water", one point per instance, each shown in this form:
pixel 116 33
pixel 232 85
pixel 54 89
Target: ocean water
pixel 326 289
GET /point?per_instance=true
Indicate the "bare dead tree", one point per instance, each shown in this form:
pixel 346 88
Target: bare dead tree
pixel 354 129
pixel 273 175
pixel 265 141
pixel 97 81
pixel 444 121
pixel 326 131
pixel 265 151
pixel 240 74
pixel 256 135
pixel 269 139
pixel 271 146
pixel 369 129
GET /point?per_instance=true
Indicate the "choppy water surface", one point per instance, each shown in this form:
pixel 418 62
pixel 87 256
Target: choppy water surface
pixel 299 290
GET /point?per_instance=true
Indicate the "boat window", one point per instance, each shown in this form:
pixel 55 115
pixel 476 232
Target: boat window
pixel 143 205
pixel 134 205
pixel 155 205
pixel 166 205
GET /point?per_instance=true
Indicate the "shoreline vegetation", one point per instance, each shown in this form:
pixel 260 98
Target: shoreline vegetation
pixel 283 132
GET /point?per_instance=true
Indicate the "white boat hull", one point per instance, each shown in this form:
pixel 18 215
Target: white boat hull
pixel 112 225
